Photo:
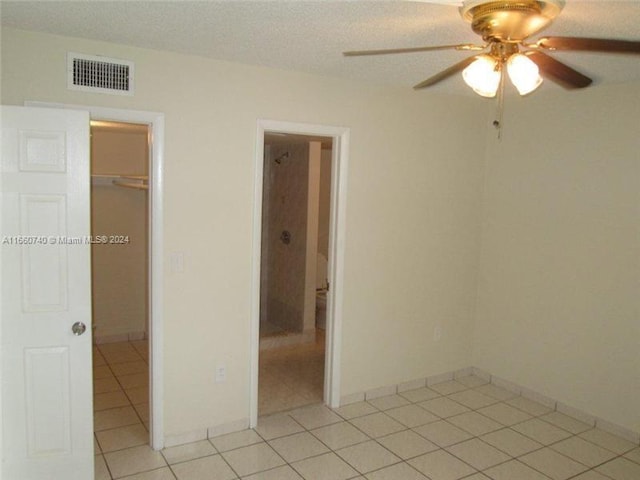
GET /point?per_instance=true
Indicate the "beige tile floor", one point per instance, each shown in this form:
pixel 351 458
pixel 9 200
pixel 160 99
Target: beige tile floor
pixel 456 430
pixel 121 406
pixel 291 376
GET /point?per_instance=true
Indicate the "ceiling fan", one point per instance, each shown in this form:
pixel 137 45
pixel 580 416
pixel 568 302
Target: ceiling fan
pixel 505 26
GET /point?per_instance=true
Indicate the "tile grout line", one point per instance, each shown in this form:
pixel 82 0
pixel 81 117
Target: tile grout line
pixel 346 419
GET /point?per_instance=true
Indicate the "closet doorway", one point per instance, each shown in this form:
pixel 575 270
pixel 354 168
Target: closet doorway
pixel 120 283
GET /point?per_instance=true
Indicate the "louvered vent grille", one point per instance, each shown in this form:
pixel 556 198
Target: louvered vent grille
pixel 100 74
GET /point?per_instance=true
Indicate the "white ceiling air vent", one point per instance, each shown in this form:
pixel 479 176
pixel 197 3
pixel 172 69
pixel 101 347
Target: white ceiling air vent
pixel 91 73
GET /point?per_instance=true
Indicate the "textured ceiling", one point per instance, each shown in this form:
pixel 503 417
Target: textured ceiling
pixel 309 36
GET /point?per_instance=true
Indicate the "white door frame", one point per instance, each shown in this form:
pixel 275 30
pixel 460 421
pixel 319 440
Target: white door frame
pixel 337 224
pixel 155 121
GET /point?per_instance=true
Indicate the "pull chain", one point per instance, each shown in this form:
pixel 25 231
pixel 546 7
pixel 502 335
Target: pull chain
pixel 500 109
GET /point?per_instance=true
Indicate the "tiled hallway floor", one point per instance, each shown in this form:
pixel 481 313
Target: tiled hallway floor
pixel 463 429
pixel 291 376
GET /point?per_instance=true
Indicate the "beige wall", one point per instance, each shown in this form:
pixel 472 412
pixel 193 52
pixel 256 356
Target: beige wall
pixel 559 292
pixel 413 213
pixel 557 298
pixel 119 271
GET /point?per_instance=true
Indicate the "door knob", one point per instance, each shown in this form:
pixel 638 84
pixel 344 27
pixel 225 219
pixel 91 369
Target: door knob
pixel 78 328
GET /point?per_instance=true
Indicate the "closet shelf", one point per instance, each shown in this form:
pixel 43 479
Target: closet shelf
pixel 139 182
pixel 139 186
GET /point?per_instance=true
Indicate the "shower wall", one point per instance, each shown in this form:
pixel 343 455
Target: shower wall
pixel 119 270
pixel 287 285
pixel 324 209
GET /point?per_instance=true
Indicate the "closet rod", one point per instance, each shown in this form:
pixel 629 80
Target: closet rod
pixel 139 182
pixel 139 186
pixel 118 176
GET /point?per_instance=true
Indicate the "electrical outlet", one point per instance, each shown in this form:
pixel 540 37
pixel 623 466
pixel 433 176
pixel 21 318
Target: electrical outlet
pixel 437 333
pixel 221 374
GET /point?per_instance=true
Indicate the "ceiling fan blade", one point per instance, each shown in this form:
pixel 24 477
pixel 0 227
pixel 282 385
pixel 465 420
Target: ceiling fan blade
pixel 462 46
pixel 558 71
pixel 452 70
pixel 589 44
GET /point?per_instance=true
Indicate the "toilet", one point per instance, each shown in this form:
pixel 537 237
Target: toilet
pixel 321 291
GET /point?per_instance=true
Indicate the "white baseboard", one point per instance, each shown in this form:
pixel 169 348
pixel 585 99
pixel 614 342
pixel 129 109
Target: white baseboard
pixel 243 423
pixel 513 387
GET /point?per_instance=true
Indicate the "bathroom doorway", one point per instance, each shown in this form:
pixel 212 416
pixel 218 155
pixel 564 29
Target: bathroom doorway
pixel 120 283
pixel 296 199
pixel 335 261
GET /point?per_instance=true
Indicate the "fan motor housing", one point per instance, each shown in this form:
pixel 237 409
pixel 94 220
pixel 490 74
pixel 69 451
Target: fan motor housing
pixel 510 20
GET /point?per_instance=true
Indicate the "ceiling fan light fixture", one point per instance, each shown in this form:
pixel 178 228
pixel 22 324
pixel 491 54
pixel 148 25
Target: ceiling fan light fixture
pixel 524 73
pixel 483 75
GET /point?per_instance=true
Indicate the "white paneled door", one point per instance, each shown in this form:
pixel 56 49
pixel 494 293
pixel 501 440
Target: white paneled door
pixel 47 418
